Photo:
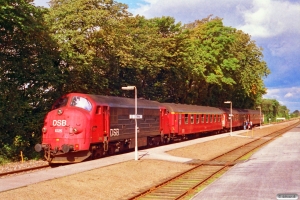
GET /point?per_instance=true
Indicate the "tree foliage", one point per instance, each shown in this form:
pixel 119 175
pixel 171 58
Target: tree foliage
pixel 87 33
pixel 30 74
pixel 272 109
pixel 97 46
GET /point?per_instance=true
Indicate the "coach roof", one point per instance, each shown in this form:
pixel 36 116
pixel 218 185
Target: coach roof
pixel 193 109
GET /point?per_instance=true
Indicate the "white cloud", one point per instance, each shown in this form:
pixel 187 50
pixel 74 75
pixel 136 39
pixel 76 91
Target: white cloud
pixel 288 95
pixel 259 18
pixel 293 92
pixel 190 10
pixel 269 18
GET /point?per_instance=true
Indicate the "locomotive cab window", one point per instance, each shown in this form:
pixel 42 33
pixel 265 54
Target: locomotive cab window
pixel 81 102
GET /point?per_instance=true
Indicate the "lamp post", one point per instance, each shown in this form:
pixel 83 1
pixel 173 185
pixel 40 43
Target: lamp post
pixel 259 116
pixel 135 102
pixel 230 115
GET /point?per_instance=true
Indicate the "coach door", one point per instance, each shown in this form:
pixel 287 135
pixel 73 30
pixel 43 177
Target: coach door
pixel 164 121
pixel 223 120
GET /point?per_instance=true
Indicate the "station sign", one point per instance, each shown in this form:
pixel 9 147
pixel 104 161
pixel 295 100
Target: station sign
pixel 135 116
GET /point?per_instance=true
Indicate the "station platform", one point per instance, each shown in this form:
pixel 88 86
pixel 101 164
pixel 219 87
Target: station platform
pixel 273 172
pixel 13 182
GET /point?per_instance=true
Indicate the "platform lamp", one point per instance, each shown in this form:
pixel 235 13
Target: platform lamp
pixel 259 116
pixel 135 102
pixel 230 116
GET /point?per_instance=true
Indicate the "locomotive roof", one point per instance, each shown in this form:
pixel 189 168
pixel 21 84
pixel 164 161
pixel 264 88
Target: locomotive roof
pixel 184 108
pixel 113 101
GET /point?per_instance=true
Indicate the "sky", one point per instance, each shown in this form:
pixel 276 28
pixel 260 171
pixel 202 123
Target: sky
pixel 273 24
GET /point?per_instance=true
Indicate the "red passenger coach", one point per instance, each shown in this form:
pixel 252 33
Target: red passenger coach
pixel 183 121
pixel 239 117
pixel 83 125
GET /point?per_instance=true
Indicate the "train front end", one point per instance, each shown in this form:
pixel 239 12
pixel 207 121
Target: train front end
pixel 65 136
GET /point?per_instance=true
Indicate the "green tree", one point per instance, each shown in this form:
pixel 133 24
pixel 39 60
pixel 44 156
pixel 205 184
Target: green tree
pixel 271 109
pixel 249 86
pixel 212 62
pixel 296 113
pixel 226 60
pixel 86 32
pixel 30 74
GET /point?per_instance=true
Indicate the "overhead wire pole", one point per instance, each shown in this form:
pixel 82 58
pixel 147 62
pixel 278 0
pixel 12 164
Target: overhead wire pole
pixel 135 118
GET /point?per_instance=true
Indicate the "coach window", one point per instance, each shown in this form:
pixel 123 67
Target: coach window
pixel 207 116
pixel 211 118
pixel 215 118
pixel 81 102
pixel 202 118
pixel 197 119
pixel 192 118
pixel 186 118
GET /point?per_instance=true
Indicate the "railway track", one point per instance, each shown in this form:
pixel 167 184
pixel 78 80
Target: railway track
pixel 186 184
pixel 24 170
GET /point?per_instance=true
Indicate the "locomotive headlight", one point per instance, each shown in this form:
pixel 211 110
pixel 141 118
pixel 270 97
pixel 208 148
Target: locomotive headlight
pixel 73 130
pixel 44 129
pixel 59 111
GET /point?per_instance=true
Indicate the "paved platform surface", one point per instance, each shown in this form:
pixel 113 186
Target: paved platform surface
pixel 273 170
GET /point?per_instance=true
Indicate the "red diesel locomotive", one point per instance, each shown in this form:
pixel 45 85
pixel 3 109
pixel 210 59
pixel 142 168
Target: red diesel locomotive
pixel 83 125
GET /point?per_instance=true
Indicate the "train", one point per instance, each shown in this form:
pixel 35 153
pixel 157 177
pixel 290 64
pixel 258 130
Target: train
pixel 87 126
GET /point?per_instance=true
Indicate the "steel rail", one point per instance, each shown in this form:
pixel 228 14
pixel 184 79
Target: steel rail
pixel 23 170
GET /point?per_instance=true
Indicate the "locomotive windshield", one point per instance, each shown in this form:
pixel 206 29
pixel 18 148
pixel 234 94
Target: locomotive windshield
pixel 60 103
pixel 81 103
